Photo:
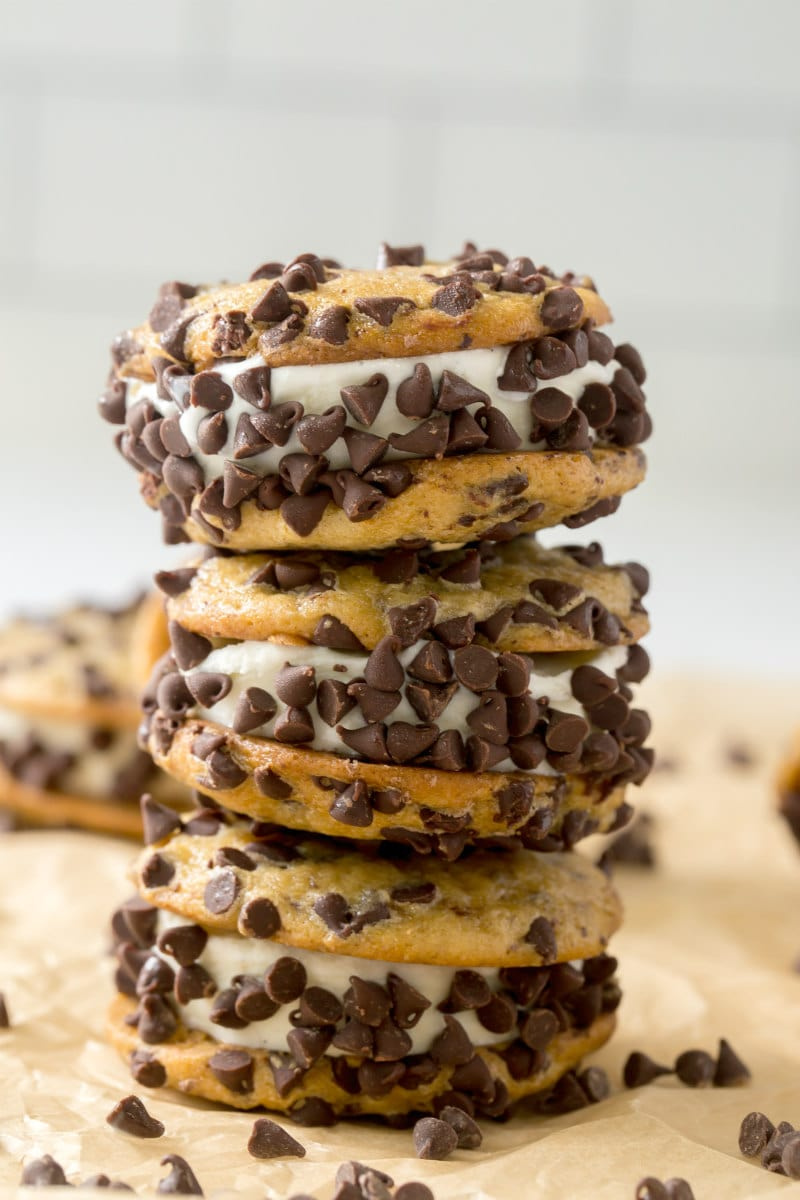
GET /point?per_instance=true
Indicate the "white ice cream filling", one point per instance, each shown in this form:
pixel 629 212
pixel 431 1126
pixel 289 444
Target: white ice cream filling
pixel 228 955
pixel 318 388
pixel 94 771
pixel 257 664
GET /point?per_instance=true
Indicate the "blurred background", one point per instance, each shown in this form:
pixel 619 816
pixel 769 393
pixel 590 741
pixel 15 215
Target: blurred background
pixel 654 145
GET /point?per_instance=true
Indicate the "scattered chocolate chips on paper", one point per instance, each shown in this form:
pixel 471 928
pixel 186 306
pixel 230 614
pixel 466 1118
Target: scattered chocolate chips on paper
pixel 181 1179
pixel 131 1116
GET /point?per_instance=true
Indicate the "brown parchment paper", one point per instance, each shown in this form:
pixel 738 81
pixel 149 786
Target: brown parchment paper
pixel 706 950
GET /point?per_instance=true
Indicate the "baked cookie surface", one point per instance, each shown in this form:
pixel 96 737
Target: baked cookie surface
pixel 500 907
pixel 521 596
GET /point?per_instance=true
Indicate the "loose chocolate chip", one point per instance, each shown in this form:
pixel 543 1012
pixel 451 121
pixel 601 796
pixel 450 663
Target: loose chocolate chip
pixel 415 396
pixel 428 440
pixel 146 1070
pixel 131 1116
pixel 562 308
pixel 651 1188
pixel 434 1138
pixel 269 1140
pixel 695 1068
pixel 400 256
pixel 475 667
pixel 285 980
pixel 730 1071
pixel 640 1069
pixel 43 1172
pixel 221 891
pixel 181 1178
pixel 364 401
pixel 159 822
pixel 467 1131
pixel 754 1134
pixel 541 936
pixel 330 324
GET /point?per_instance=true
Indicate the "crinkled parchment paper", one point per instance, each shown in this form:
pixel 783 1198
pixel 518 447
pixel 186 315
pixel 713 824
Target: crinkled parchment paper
pixel 706 951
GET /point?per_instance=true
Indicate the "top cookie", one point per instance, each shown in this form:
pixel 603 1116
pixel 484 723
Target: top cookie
pixel 311 311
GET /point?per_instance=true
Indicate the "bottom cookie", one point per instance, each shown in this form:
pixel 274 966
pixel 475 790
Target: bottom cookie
pixel 488 1083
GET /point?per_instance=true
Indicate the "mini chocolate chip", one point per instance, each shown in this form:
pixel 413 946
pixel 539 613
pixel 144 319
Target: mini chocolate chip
pixel 410 622
pixel 352 806
pixel 468 990
pixel 294 726
pixel 159 822
pixel 330 324
pixel 730 1071
pixel 181 1178
pixel 695 1068
pixel 131 1116
pixel 308 1045
pixel 316 434
pixel 269 1140
pixel 365 449
pixel 405 741
pixel 254 707
pixel 303 513
pixel 434 1138
pixel 296 685
pixel 253 386
pixel 43 1172
pixel 456 393
pixel 285 980
pixel 467 1131
pixel 382 670
pixel 562 308
pixel 428 440
pixel 640 1069
pixel 333 701
pixel 270 784
pixel 189 648
pixel 550 408
pixel 541 936
pixel 369 741
pixel 146 1070
pixel 400 256
pixel 158 871
pixel 221 891
pixel 259 918
pixel 367 1002
pixel 207 688
pixel 452 1046
pixel 475 667
pixel 754 1134
pixel 335 635
pixel 382 309
pixel 415 395
pixel 364 401
pixel 184 942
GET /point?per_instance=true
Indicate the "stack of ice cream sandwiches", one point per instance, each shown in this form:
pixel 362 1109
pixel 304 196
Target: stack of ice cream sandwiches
pixel 401 710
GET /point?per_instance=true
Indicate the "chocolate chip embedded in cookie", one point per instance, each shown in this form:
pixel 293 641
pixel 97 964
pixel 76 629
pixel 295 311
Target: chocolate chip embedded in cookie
pixel 518 595
pixel 498 906
pixel 472 403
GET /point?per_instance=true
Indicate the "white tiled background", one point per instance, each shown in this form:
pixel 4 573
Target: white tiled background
pixel 653 143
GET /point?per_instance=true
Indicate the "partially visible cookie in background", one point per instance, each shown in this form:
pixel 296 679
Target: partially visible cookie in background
pixel 789 789
pixel 69 711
